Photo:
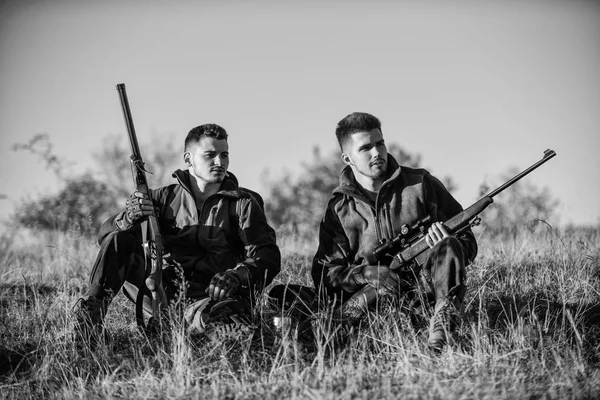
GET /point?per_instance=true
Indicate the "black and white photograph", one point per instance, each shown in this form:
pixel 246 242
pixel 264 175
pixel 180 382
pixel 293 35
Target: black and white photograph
pixel 299 200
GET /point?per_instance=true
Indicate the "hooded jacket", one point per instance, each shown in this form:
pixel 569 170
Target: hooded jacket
pixel 230 229
pixel 354 225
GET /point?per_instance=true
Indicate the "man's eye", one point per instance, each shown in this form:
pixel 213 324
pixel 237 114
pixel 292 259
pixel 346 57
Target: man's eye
pixel 225 155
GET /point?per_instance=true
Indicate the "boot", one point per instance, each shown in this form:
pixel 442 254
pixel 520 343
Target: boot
pixel 89 314
pixel 442 326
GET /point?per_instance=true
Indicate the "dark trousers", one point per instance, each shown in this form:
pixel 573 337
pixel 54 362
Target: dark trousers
pixel 443 274
pixel 119 264
pixel 440 278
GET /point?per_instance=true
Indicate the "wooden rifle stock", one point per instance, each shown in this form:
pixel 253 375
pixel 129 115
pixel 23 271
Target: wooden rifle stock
pixel 151 238
pixel 406 249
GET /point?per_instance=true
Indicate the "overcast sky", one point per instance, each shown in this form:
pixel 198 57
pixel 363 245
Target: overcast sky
pixel 475 87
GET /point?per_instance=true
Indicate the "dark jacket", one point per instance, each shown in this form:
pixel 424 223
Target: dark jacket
pixel 353 225
pixel 230 229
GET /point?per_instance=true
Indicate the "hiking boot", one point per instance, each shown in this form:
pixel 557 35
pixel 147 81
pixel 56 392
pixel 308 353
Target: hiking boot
pixel 237 330
pixel 89 314
pixel 442 326
pixel 229 318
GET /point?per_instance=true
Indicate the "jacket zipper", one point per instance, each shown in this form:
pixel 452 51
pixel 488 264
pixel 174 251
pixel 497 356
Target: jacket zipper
pixel 384 223
pixel 211 221
pixel 378 231
pixel 384 218
pixel 388 220
pixel 210 229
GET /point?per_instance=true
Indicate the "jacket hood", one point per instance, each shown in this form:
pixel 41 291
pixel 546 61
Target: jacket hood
pixel 229 186
pixel 348 184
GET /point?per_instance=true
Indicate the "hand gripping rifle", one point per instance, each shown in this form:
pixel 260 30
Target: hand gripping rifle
pixel 410 244
pixel 151 237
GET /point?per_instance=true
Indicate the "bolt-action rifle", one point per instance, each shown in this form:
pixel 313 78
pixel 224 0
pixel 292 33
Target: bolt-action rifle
pixel 410 243
pixel 151 238
pixel 409 246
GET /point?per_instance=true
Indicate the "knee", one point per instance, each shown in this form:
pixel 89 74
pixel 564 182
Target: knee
pixel 123 237
pixel 450 246
pixel 455 244
pixel 120 241
pixel 452 242
pixel 446 257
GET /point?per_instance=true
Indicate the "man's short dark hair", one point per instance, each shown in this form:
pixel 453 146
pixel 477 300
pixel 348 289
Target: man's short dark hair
pixel 211 130
pixel 355 122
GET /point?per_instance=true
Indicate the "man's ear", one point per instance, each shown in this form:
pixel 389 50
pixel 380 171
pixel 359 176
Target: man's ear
pixel 187 158
pixel 346 159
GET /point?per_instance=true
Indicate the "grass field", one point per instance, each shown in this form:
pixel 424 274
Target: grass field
pixel 530 329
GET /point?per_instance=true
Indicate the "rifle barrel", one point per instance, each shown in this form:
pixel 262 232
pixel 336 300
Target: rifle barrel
pixel 548 154
pixel 135 148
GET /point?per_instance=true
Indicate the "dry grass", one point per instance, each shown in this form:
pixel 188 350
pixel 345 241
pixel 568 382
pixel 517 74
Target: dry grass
pixel 531 329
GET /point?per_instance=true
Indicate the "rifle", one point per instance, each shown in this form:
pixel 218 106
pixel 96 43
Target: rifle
pixel 151 238
pixel 410 243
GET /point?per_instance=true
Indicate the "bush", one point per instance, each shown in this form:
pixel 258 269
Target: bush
pixel 86 200
pixel 83 203
pixel 523 205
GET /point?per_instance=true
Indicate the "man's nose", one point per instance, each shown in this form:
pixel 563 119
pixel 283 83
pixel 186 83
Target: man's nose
pixel 218 160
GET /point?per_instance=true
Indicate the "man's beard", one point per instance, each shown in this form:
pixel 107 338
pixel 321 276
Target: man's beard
pixel 217 176
pixel 218 179
pixel 380 172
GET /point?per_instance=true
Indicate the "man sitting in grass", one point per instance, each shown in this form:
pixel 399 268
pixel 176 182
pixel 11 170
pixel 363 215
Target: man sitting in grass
pixel 219 247
pixel 376 197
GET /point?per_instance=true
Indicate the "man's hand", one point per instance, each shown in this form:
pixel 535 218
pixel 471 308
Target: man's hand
pixel 138 206
pixel 223 285
pixel 435 234
pixel 379 276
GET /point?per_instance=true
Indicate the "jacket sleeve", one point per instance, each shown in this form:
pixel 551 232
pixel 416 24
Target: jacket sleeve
pixel 115 223
pixel 261 253
pixel 444 206
pixel 333 272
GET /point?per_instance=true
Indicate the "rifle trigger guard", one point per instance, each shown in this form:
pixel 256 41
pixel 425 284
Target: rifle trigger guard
pixel 476 221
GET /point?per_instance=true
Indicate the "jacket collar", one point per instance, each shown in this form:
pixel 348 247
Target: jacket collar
pixel 349 186
pixel 229 186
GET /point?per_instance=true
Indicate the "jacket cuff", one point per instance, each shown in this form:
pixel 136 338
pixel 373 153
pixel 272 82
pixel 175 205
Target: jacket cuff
pixel 248 271
pixel 359 277
pixel 122 222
